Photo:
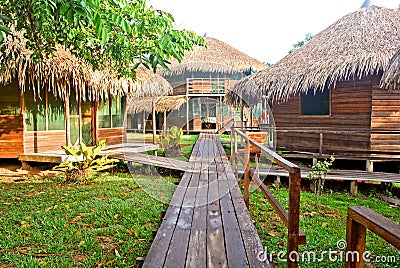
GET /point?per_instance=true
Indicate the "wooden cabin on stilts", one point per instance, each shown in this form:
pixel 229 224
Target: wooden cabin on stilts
pixel 331 97
pixel 203 77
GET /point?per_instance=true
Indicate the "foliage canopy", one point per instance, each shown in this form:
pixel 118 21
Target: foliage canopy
pixel 119 34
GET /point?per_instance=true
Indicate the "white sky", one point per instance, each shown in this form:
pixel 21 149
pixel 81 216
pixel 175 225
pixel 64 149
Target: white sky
pixel 263 29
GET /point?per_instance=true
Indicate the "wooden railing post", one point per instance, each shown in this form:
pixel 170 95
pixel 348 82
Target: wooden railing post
pixel 294 217
pixel 355 238
pixel 246 172
pixel 321 142
pixel 235 155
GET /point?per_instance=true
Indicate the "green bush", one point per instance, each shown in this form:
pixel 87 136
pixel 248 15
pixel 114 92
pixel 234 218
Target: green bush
pixel 85 161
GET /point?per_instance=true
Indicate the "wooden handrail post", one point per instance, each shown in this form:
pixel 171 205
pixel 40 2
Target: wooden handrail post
pixel 294 218
pixel 235 150
pixel 321 142
pixel 246 172
pixel 355 238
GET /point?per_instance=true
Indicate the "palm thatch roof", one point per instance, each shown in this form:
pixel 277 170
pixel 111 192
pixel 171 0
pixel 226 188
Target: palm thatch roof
pixel 151 84
pixel 359 44
pixel 162 104
pixel 169 103
pixel 391 77
pixel 244 92
pixel 216 57
pixel 63 73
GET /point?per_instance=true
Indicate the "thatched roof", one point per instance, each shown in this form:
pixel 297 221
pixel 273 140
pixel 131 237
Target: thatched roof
pixel 359 44
pixel 163 104
pixel 391 77
pixel 63 73
pixel 151 84
pixel 169 103
pixel 244 92
pixel 216 57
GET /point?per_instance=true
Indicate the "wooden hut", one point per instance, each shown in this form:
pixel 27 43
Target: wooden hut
pixel 326 95
pixel 157 107
pixel 204 76
pixel 58 101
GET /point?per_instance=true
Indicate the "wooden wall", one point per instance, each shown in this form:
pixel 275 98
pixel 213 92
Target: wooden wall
pixel 11 136
pixel 346 130
pixel 43 141
pixel 385 119
pixel 111 135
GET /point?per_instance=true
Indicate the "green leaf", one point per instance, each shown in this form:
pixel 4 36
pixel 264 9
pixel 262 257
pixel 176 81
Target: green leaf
pixel 71 151
pixel 65 8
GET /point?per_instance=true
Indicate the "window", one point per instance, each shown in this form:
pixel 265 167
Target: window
pixel 43 111
pixel 315 104
pixel 111 113
pixel 9 100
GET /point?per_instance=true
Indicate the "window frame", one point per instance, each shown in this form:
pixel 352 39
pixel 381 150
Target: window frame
pixel 316 115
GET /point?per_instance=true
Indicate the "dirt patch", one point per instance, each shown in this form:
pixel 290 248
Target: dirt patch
pixel 79 258
pixel 12 172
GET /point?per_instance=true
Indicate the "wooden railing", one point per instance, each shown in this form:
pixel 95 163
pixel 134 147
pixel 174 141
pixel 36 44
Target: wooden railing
pixel 292 218
pixel 206 86
pixel 359 219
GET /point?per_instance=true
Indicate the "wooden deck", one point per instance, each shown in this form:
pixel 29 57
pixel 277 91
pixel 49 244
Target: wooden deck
pixel 152 160
pixel 207 223
pixel 60 156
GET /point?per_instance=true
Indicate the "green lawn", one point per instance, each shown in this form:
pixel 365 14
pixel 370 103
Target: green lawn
pixel 45 224
pixel 323 220
pixel 187 143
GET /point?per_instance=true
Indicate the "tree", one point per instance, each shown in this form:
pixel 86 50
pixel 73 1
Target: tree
pixel 115 33
pixel 299 44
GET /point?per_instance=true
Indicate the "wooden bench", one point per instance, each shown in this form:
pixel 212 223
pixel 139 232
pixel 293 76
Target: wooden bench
pixel 207 223
pixel 359 219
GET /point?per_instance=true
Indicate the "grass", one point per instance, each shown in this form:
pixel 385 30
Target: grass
pixel 226 143
pixel 187 142
pixel 323 220
pixel 108 222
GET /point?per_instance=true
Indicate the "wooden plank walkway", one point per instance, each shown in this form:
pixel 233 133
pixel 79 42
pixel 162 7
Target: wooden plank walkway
pixel 207 223
pixel 152 160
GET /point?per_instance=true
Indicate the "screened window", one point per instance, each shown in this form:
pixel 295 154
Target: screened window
pixel 111 112
pixel 315 104
pixel 9 100
pixel 43 111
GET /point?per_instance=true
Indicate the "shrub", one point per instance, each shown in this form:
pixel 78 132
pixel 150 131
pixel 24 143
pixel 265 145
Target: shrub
pixel 318 175
pixel 85 161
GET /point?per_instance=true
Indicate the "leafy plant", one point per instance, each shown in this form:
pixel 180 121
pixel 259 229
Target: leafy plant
pixel 118 34
pixel 318 174
pixel 170 140
pixel 85 161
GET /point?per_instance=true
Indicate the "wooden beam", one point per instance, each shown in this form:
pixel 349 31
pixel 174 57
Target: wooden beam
pixel 153 112
pixel 294 216
pixel 94 122
pixel 247 173
pixel 67 120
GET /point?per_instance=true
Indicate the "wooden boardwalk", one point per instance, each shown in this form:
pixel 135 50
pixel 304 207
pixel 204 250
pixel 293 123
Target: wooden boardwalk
pixel 152 160
pixel 207 223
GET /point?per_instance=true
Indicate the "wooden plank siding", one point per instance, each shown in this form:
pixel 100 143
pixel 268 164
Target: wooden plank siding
pixel 11 136
pixel 350 111
pixel 385 119
pixel 43 141
pixel 111 135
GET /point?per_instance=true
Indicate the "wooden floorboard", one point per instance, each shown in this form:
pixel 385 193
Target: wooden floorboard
pixel 207 223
